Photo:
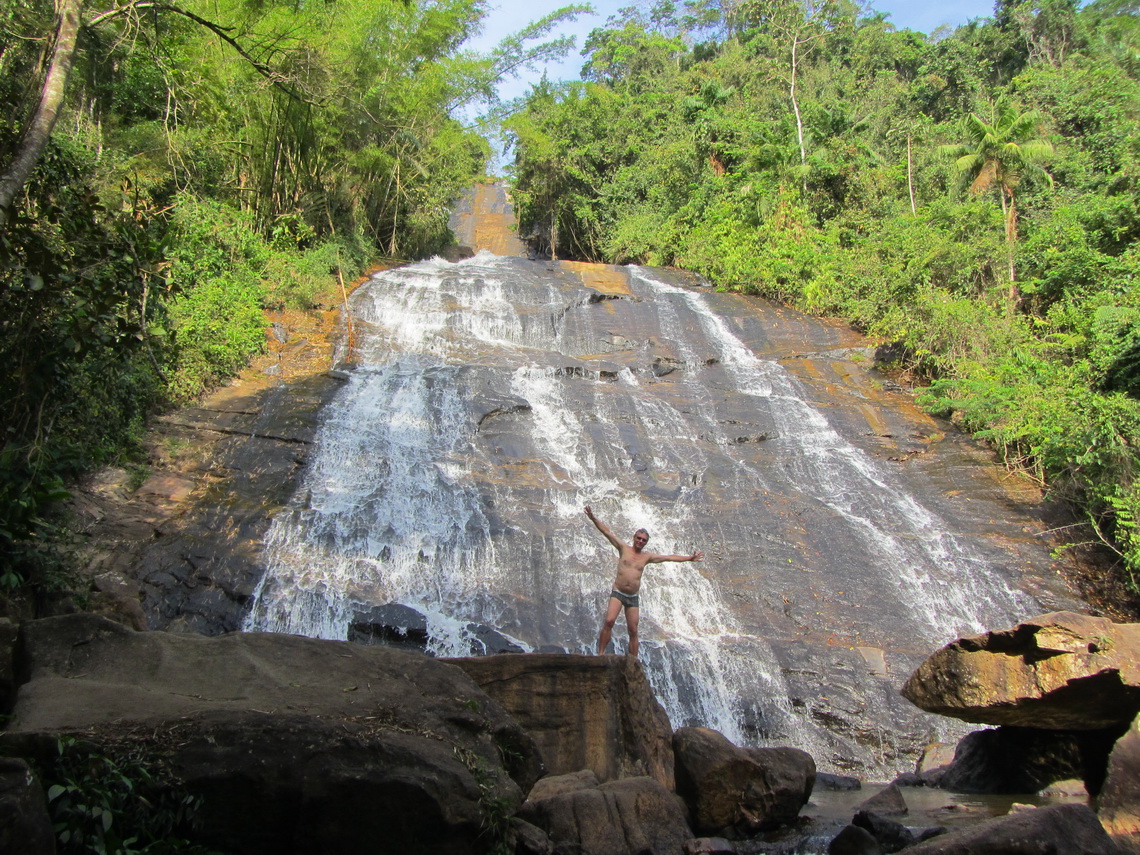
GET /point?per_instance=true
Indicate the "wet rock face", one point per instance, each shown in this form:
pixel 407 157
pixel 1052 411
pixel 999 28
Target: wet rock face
pixel 294 744
pixel 1061 671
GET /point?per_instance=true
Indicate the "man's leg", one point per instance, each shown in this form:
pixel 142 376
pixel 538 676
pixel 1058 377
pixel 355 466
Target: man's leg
pixel 608 625
pixel 631 617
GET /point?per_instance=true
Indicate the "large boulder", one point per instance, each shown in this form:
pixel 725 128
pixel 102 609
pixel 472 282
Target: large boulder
pixel 738 791
pixel 1061 671
pixel 637 816
pixel 1027 760
pixel 1119 801
pixel 1068 829
pixel 293 744
pixel 584 712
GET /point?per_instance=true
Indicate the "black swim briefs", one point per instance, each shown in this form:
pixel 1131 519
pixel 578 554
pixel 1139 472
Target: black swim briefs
pixel 630 601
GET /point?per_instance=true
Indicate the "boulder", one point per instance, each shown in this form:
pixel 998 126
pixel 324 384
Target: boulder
pixel 887 802
pixel 891 836
pixel 1027 760
pixel 1119 802
pixel 293 744
pixel 614 725
pixel 397 625
pixel 1060 671
pixel 637 816
pixel 25 826
pixel 788 780
pixel 731 790
pixel 529 839
pixel 853 840
pixel 837 783
pixel 1069 829
pixel 393 624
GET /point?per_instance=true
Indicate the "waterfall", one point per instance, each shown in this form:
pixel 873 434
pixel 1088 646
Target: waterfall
pixel 493 398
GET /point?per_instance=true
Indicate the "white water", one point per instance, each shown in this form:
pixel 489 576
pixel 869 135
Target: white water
pixel 410 500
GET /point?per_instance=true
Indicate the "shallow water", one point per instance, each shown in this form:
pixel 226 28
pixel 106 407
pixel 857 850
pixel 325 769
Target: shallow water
pixel 828 811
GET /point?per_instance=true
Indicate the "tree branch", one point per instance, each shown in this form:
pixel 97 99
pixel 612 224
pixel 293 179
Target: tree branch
pixel 221 32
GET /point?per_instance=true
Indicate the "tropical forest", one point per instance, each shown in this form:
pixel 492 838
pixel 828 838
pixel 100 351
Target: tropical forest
pixel 968 198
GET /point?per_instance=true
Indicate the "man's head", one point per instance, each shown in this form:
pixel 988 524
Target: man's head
pixel 640 538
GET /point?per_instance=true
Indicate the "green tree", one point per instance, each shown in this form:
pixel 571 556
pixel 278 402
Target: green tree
pixel 997 156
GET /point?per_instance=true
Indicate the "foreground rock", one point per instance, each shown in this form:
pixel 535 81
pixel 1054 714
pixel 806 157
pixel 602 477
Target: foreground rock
pixel 738 791
pixel 637 816
pixel 1059 830
pixel 1119 802
pixel 1061 671
pixel 293 744
pixel 584 712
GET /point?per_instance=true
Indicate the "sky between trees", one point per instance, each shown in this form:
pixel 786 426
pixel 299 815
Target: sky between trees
pixel 507 16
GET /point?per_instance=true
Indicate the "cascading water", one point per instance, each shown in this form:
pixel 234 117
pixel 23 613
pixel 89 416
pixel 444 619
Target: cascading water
pixel 493 398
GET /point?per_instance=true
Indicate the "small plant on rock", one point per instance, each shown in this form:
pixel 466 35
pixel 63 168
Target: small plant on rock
pixel 115 805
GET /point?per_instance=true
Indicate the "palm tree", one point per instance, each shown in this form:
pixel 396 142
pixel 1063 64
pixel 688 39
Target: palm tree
pixel 999 155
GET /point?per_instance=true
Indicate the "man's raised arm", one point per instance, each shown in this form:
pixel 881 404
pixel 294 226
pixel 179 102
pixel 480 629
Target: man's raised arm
pixel 605 529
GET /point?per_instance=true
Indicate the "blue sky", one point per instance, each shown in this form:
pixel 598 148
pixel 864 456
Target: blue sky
pixel 506 16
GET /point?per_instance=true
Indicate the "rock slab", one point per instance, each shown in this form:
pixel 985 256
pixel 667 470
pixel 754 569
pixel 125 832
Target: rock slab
pixel 1060 671
pixel 293 744
pixel 614 724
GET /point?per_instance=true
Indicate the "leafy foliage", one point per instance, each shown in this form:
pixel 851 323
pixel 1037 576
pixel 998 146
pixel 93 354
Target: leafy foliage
pixel 115 805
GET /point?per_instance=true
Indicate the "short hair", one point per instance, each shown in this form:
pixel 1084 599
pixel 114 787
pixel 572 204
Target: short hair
pixel 642 531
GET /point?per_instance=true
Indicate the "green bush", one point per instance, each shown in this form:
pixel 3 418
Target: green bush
pixel 217 269
pixel 116 803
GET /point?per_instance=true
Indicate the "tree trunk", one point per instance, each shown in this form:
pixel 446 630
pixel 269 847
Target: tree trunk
pixel 1011 243
pixel 39 130
pixel 796 109
pixel 910 177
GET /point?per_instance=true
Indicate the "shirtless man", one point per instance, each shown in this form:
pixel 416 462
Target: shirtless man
pixel 631 564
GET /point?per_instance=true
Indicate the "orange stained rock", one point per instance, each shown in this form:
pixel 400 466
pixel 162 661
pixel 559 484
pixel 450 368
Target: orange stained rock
pixel 492 229
pixel 603 278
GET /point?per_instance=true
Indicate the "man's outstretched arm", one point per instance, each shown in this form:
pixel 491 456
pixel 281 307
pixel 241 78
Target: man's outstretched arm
pixel 658 559
pixel 605 529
